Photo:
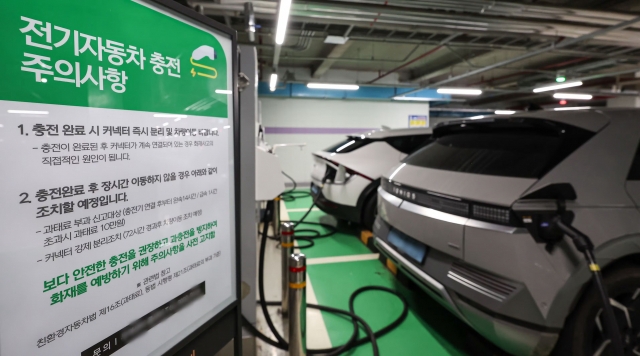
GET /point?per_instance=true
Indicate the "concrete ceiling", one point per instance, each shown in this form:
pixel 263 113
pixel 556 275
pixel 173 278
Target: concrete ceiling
pixel 424 43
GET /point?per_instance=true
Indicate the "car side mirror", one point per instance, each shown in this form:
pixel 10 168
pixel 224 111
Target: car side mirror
pixel 538 210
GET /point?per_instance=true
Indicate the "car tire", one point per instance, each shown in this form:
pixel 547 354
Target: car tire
pixel 581 335
pixel 370 212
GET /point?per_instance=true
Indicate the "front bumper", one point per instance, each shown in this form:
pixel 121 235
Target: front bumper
pixel 340 211
pixel 451 290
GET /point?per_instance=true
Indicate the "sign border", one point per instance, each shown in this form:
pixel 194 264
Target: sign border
pixel 233 308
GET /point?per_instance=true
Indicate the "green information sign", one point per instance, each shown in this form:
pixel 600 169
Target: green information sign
pixel 118 159
pixel 109 54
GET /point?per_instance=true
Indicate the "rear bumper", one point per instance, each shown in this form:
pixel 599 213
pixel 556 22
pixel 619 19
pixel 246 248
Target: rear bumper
pixel 340 211
pixel 511 337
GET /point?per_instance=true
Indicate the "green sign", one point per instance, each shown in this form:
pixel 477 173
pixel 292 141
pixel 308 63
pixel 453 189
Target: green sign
pixel 114 54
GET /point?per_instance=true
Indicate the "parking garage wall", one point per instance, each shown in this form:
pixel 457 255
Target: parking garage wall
pixel 322 122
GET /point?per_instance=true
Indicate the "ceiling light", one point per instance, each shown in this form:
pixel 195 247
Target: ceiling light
pixel 572 96
pixel 412 98
pixel 505 112
pixel 561 79
pixel 338 40
pixel 557 86
pixel 333 86
pixel 459 91
pixel 573 108
pixel 476 117
pixel 170 115
pixel 223 91
pixel 283 18
pixel 273 82
pixel 28 112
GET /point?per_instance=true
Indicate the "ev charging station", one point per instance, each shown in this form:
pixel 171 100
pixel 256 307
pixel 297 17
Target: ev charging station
pixel 120 152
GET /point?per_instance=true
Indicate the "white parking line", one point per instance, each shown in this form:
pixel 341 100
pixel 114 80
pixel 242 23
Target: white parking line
pixel 299 210
pixel 338 259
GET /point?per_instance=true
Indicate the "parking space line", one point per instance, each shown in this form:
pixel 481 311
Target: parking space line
pixel 338 259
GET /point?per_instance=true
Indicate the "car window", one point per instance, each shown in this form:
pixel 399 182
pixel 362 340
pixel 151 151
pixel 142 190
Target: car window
pixel 505 151
pixel 408 144
pixel 634 172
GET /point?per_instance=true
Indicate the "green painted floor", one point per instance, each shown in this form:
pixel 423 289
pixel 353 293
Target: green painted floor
pixel 429 328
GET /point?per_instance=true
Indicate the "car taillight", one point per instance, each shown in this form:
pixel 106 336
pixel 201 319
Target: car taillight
pixel 349 171
pixel 499 215
pixel 352 172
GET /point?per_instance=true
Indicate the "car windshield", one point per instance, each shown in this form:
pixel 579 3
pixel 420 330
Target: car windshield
pixel 509 150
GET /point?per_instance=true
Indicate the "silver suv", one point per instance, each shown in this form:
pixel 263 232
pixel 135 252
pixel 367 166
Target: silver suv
pixel 446 218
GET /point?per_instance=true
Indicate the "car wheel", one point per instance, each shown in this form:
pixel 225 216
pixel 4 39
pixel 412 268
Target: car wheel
pixel 583 333
pixel 370 212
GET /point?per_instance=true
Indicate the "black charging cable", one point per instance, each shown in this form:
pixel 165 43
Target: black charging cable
pixel 583 243
pixel 358 322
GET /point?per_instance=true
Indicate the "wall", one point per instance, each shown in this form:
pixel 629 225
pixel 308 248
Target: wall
pixel 321 123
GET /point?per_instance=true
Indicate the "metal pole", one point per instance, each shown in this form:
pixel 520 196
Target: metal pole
pixel 297 305
pixel 286 244
pixel 276 217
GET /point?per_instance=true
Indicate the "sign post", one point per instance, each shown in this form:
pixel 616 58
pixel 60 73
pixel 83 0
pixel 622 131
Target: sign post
pixel 118 146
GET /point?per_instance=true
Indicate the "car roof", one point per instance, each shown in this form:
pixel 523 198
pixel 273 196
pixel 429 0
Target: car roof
pixel 592 119
pixel 378 134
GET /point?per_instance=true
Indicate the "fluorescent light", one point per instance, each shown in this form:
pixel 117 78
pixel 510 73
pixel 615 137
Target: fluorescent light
pixel 558 86
pixel 572 96
pixel 336 40
pixel 273 82
pixel 572 108
pixel 505 112
pixel 412 98
pixel 170 115
pixel 223 91
pixel 476 117
pixel 28 112
pixel 283 18
pixel 561 79
pixel 345 145
pixel 459 91
pixel 333 86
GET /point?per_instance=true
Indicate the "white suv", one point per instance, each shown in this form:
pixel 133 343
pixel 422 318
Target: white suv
pixel 352 169
pixel 449 218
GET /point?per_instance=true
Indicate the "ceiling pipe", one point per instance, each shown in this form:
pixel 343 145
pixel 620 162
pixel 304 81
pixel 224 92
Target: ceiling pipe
pixel 414 19
pixel 562 44
pixel 424 55
pixel 551 66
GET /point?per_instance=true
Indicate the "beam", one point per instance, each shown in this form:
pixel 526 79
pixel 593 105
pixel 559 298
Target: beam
pixel 336 52
pixel 425 75
pixel 562 44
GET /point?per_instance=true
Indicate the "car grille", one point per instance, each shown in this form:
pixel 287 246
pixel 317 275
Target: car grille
pixel 451 205
pixel 481 282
